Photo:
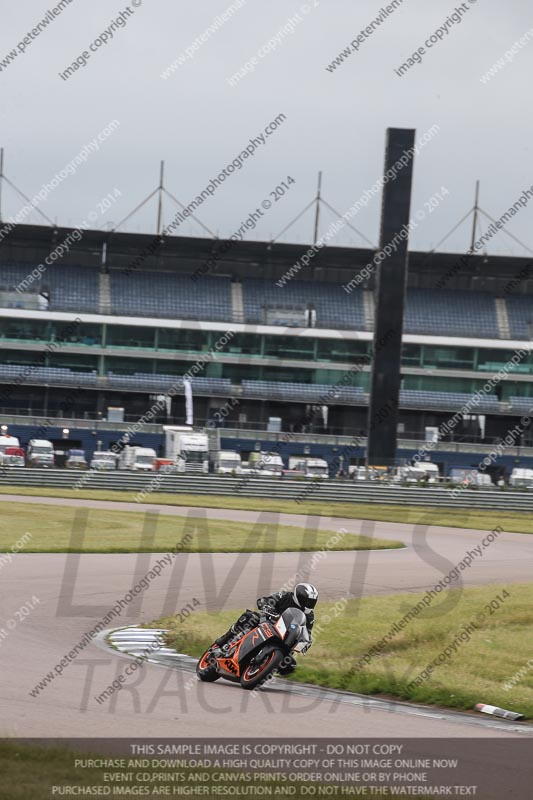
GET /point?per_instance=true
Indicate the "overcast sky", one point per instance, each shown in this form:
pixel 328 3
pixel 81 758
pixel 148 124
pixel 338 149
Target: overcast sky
pixel 335 121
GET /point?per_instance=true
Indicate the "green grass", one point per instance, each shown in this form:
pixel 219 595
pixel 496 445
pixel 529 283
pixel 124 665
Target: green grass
pixel 30 771
pixel 476 674
pixel 514 521
pixel 122 532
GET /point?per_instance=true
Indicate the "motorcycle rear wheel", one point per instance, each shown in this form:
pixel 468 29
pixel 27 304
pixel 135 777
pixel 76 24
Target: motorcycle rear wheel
pixel 256 673
pixel 204 670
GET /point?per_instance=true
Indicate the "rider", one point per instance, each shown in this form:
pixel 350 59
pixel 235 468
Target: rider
pixel 304 596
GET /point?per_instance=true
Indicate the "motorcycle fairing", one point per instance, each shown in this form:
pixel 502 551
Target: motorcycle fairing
pixel 288 628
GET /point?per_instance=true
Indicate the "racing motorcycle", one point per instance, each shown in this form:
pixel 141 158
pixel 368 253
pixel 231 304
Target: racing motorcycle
pixel 252 657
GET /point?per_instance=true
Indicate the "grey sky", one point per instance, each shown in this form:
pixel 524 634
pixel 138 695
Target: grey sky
pixel 335 121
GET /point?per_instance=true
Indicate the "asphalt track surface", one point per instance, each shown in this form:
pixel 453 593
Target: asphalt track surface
pixel 162 700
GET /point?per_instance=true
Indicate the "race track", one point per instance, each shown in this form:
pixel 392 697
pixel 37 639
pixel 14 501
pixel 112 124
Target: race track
pixel 162 701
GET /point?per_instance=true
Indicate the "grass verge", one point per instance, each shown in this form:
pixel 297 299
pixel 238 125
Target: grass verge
pixel 514 521
pixel 128 532
pixel 477 671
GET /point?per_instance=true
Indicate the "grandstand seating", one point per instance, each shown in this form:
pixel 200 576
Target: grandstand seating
pixel 59 376
pixel 414 398
pixel 451 313
pixel 335 308
pixel 149 382
pixel 520 314
pixel 55 376
pixel 71 288
pixel 262 390
pixel 304 393
pixel 354 395
pixel 160 294
pixel 176 296
pixel 521 404
pixel 11 276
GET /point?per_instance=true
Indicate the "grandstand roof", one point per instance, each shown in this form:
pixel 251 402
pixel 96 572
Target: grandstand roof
pixel 133 251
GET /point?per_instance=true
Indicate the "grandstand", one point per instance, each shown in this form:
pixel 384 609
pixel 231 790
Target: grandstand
pixel 164 294
pixel 256 301
pixel 295 346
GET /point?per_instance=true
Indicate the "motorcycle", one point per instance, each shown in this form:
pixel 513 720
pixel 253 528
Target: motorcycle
pixel 252 657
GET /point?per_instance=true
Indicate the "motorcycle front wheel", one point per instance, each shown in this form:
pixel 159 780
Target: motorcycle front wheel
pixel 205 670
pixel 258 671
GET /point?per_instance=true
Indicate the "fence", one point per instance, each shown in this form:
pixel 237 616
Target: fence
pixel 268 488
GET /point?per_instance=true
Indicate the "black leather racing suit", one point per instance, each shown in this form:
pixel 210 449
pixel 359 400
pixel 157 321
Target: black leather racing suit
pixel 275 603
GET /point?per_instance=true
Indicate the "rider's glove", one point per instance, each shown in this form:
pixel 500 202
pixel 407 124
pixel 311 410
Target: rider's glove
pixel 268 612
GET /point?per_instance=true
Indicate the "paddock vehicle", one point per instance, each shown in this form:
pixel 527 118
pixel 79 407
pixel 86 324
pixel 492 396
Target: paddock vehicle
pixel 40 453
pixel 187 448
pixel 425 471
pixel 253 657
pixel 470 477
pixel 165 465
pixel 7 441
pixel 13 457
pixel 264 463
pixel 104 460
pixel 76 459
pixel 226 462
pixel 365 474
pixel 521 478
pixel 310 467
pixel 139 459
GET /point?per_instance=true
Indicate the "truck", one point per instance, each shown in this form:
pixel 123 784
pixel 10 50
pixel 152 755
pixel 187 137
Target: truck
pixel 76 459
pixel 265 463
pixel 13 457
pixel 8 441
pixel 309 467
pixel 424 471
pixel 138 459
pixel 40 453
pixel 104 460
pixel 362 473
pixel 521 478
pixel 186 448
pixel 165 465
pixel 226 462
pixel 470 477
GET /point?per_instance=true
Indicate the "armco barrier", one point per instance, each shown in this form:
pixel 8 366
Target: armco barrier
pixel 325 491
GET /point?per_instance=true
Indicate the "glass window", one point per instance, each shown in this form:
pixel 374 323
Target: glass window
pixel 133 336
pixel 50 331
pixel 172 367
pixel 411 355
pixel 78 362
pixel 73 333
pixel 287 375
pixel 182 339
pixel 448 357
pixel 24 330
pixel 244 344
pixel 22 357
pixel 128 366
pixel 491 360
pixel 346 350
pixel 295 347
pixel 435 383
